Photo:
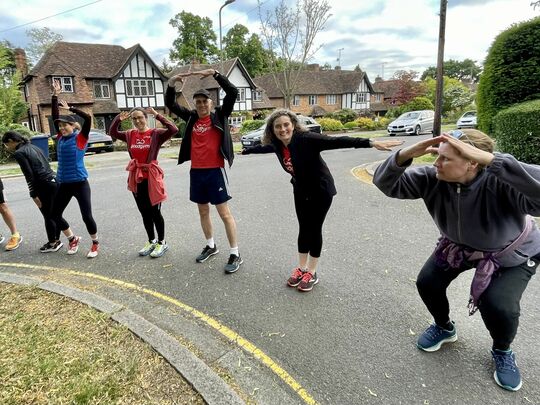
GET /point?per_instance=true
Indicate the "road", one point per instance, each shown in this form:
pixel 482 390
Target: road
pixel 352 339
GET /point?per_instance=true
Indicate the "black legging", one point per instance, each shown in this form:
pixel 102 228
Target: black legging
pixel 81 191
pixel 151 214
pixel 499 304
pixel 46 192
pixel 311 212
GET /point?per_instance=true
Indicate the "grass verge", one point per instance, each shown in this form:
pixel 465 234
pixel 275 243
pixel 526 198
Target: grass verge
pixel 58 351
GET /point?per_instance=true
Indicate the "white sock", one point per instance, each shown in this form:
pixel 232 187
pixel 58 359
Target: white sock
pixel 210 242
pixel 234 251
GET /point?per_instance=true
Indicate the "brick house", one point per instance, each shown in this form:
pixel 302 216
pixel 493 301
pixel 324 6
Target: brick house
pixel 99 79
pixel 322 91
pixel 384 96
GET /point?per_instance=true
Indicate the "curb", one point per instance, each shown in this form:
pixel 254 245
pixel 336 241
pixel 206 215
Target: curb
pixel 205 381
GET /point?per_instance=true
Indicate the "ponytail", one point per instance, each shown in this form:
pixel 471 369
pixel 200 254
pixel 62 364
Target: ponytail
pixel 14 136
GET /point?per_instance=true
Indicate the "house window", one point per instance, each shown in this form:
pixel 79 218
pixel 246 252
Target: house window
pixel 378 97
pixel 99 123
pixel 257 95
pixel 101 89
pixel 312 100
pixel 296 101
pixel 331 99
pixel 360 97
pixel 241 95
pixel 139 88
pixel 66 83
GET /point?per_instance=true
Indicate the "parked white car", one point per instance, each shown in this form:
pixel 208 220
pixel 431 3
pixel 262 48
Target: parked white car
pixel 467 120
pixel 412 123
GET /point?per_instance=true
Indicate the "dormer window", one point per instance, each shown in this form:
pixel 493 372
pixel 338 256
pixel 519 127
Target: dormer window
pixel 66 83
pixel 101 89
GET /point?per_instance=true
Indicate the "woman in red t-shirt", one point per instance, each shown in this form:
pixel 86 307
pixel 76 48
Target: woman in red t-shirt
pixel 145 179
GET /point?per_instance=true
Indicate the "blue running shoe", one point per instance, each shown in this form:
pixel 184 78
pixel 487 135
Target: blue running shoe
pixel 506 370
pixel 434 337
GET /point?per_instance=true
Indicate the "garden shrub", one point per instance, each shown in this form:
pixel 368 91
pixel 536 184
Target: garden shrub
pixel 250 125
pixel 350 125
pixel 366 124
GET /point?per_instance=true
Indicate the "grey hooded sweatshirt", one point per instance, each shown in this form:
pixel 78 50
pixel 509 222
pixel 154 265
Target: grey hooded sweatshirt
pixel 487 214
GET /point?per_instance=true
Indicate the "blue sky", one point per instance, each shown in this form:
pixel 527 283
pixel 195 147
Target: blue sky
pixel 379 35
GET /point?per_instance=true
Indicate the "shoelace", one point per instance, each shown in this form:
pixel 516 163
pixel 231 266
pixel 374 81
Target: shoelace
pixel 232 258
pixel 504 361
pixel 434 330
pixel 73 243
pixel 297 273
pixel 306 278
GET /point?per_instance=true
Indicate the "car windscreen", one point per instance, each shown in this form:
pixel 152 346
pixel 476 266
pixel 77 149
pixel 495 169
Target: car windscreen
pixel 409 116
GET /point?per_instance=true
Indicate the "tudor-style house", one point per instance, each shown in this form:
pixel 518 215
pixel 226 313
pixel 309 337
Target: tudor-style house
pixel 318 92
pixel 99 79
pixel 249 99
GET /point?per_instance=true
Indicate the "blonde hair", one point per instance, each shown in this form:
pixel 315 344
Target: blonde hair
pixel 269 136
pixel 477 139
pixel 77 126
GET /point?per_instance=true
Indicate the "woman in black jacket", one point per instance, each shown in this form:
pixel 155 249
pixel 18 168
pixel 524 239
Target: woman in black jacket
pixel 41 184
pixel 299 153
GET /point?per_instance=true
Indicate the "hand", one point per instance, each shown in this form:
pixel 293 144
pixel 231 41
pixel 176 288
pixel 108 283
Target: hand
pixel 178 78
pixel 37 201
pixel 469 151
pixel 418 149
pixel 385 145
pixel 56 88
pixel 124 115
pixel 150 110
pixel 204 73
pixel 63 104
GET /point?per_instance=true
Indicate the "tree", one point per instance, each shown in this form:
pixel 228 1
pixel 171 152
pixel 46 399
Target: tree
pixel 196 39
pixel 407 86
pixel 466 70
pixel 12 105
pixel 41 39
pixel 511 73
pixel 456 95
pixel 289 35
pixel 248 49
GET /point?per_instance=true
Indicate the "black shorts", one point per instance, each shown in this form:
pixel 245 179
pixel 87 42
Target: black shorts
pixel 209 186
pixel 2 199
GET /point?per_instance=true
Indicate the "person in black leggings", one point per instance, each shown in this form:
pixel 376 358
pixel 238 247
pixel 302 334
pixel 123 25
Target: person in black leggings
pixel 42 185
pixel 299 153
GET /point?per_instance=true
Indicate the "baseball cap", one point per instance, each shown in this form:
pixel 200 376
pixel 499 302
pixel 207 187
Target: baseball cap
pixel 201 92
pixel 66 118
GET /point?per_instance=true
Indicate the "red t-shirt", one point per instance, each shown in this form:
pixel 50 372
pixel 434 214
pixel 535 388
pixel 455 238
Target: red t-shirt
pixel 139 146
pixel 205 144
pixel 287 162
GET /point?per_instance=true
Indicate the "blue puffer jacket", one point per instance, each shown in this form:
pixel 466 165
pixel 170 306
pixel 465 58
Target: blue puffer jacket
pixel 70 160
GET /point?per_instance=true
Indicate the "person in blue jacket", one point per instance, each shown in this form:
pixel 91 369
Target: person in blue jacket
pixel 72 177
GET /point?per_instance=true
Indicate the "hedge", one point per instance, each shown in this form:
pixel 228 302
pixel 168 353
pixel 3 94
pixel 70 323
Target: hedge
pixel 517 131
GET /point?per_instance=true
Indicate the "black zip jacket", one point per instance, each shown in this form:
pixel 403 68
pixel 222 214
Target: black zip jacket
pixel 219 117
pixel 34 165
pixel 311 174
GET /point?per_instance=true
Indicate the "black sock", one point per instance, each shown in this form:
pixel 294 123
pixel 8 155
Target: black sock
pixel 447 326
pixel 71 238
pixel 95 241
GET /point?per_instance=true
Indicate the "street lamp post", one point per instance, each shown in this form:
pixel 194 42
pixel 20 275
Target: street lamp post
pixel 220 44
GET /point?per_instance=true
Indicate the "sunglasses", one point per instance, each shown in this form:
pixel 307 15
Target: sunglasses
pixel 456 133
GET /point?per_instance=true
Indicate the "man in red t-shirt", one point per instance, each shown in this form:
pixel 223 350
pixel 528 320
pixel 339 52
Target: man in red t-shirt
pixel 207 143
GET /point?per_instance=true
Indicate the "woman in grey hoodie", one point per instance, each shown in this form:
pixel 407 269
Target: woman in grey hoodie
pixel 482 203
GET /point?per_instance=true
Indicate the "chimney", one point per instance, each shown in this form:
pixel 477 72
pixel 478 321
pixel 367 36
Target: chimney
pixel 20 61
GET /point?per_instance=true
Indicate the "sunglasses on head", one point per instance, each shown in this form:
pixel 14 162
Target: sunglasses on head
pixel 456 133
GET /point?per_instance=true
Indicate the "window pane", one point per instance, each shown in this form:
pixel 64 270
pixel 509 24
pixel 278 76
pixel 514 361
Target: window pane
pixel 97 90
pixel 150 88
pixel 105 91
pixel 129 87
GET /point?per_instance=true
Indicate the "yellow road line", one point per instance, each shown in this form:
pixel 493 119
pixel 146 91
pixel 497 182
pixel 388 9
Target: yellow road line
pixel 361 174
pixel 231 335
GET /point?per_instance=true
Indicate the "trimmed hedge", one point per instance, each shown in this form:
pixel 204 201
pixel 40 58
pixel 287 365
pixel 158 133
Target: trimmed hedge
pixel 511 74
pixel 250 125
pixel 517 131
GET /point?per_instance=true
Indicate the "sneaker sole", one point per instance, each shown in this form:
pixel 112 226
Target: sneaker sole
pixel 161 254
pixel 144 254
pixel 436 347
pixel 293 285
pixel 506 387
pixel 230 271
pixel 52 250
pixel 207 257
pixel 91 256
pixel 310 288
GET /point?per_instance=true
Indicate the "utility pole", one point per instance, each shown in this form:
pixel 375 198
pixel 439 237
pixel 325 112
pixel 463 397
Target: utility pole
pixel 339 56
pixel 440 70
pixel 382 69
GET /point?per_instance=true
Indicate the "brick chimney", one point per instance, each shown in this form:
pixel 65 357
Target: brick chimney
pixel 20 61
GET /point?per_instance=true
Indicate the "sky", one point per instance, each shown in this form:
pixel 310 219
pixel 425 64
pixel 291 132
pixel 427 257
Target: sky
pixel 381 36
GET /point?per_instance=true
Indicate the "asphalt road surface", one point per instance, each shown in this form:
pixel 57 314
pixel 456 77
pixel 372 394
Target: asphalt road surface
pixel 349 341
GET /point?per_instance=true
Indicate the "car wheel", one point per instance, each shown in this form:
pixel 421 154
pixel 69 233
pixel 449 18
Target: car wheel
pixel 417 130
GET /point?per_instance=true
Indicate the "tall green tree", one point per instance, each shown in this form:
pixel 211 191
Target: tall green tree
pixel 289 35
pixel 511 74
pixel 196 39
pixel 456 96
pixel 239 43
pixel 40 39
pixel 465 70
pixel 12 105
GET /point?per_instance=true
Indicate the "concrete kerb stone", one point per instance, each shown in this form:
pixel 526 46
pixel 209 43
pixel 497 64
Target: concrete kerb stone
pixel 205 381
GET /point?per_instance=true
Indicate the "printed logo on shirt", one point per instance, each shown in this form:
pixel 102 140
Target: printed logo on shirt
pixel 202 127
pixel 287 162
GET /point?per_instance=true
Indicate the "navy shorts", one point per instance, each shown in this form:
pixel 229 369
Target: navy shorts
pixel 209 186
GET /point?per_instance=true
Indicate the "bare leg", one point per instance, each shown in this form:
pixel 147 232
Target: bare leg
pixel 312 264
pixel 230 225
pixel 206 223
pixel 9 218
pixel 302 260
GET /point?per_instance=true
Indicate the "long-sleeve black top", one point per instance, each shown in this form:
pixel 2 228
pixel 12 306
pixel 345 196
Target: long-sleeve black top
pixel 34 166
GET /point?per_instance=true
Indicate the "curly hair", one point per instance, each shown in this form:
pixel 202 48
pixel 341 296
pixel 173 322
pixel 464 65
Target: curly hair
pixel 269 136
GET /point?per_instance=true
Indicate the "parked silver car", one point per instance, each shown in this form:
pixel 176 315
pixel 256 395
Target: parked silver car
pixel 412 122
pixel 467 120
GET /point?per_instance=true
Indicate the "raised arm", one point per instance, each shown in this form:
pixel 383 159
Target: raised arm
pixel 170 98
pixel 164 133
pixel 114 131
